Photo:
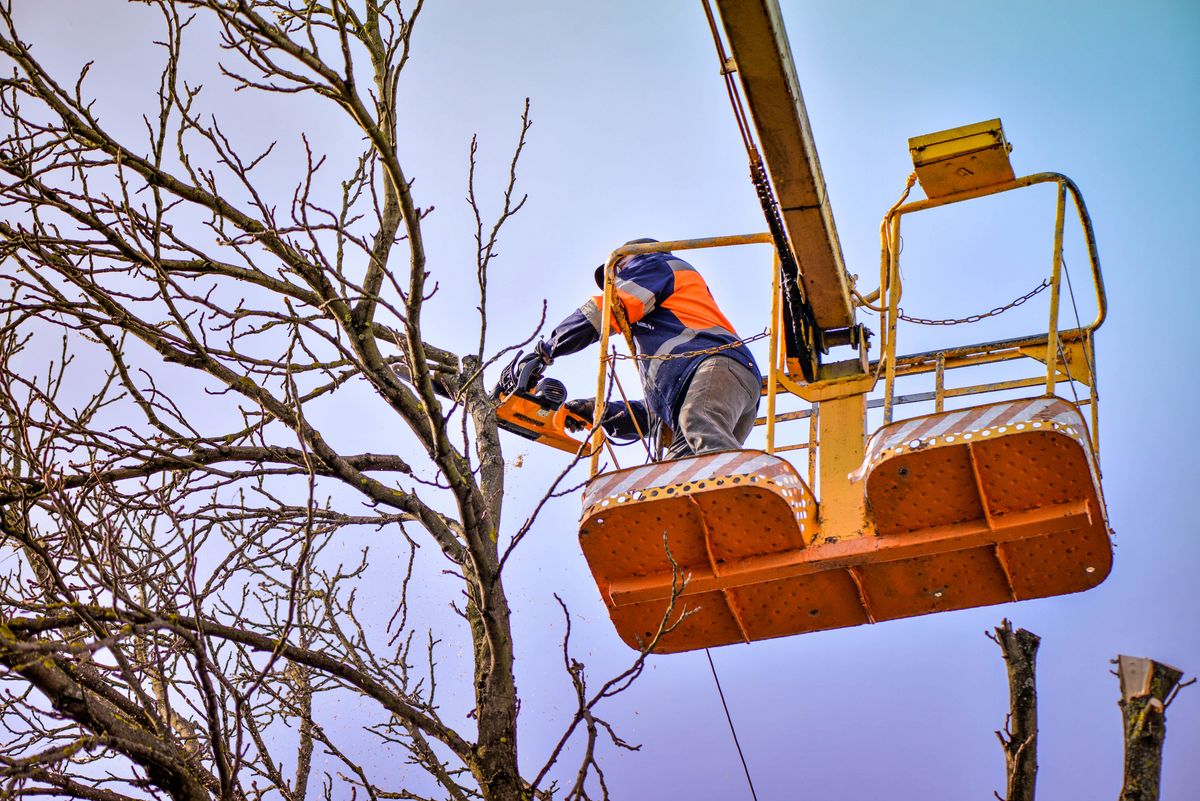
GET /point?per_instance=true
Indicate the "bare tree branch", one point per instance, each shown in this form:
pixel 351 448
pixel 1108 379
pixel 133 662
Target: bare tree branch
pixel 191 349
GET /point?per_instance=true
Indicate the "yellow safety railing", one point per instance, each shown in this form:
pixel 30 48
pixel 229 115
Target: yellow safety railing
pixel 1061 351
pixel 1067 355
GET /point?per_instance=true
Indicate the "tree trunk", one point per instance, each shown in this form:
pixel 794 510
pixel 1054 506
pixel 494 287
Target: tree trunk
pixel 1019 738
pixel 1146 689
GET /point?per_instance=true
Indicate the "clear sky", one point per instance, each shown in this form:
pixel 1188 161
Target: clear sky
pixel 633 137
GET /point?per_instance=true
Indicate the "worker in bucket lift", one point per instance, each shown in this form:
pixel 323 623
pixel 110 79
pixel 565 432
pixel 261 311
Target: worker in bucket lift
pixel 701 383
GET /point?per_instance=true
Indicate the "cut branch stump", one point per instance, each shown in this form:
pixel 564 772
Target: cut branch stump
pixel 1019 738
pixel 1147 688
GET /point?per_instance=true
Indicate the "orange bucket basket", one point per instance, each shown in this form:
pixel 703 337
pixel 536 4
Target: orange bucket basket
pixel 970 508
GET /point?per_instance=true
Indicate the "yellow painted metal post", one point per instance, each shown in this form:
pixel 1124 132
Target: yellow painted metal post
pixel 889 354
pixel 605 327
pixel 939 384
pixel 1055 279
pixel 885 269
pixel 773 365
pixel 1093 384
pixel 841 432
pixel 813 443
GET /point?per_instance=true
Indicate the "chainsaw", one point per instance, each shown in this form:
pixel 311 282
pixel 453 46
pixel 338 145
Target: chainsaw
pixel 538 412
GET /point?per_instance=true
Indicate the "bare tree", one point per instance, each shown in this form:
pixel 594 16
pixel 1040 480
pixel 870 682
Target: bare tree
pixel 187 539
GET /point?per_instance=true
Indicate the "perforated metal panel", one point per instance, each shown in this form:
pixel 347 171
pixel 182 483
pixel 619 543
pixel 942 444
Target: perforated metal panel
pixel 915 491
pixel 1020 474
pixel 938 582
pixel 722 512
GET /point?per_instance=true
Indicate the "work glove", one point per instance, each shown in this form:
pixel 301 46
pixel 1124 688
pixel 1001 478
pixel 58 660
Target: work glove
pixel 622 421
pixel 584 407
pixel 530 368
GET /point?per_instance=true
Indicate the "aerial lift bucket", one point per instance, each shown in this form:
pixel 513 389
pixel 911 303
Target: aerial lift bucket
pixel 709 532
pixel 995 503
pixel 972 507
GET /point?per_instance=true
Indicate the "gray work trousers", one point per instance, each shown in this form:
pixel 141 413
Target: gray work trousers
pixel 718 409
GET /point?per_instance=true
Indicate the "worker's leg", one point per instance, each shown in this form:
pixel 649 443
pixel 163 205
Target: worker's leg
pixel 718 408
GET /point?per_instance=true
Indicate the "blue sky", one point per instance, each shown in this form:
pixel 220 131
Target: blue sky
pixel 633 137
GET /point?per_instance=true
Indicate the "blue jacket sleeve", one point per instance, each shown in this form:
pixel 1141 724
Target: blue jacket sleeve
pixel 580 329
pixel 642 285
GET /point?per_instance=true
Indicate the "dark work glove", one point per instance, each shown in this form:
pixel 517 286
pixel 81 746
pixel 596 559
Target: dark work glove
pixel 584 407
pixel 530 368
pixel 624 422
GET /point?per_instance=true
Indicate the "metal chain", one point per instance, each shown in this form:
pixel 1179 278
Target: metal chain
pixel 689 354
pixel 974 318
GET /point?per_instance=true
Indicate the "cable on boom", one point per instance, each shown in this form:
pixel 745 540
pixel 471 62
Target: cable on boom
pixel 801 334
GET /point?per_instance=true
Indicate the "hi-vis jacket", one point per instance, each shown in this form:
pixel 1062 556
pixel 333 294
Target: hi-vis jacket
pixel 671 311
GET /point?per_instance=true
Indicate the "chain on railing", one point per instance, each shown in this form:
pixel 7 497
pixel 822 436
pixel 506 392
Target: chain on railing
pixel 643 357
pixel 974 318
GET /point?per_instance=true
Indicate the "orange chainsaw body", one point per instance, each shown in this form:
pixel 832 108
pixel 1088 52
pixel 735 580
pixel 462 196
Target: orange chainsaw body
pixel 533 418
